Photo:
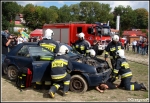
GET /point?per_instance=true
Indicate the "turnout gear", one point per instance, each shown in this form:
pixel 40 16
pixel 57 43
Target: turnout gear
pixel 81 45
pixel 122 68
pixel 48 42
pixel 111 49
pixel 60 69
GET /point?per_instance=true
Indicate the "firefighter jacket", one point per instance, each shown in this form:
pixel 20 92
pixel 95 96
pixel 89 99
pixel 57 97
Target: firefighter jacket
pixel 112 48
pixel 60 66
pixel 122 68
pixel 49 44
pixel 81 46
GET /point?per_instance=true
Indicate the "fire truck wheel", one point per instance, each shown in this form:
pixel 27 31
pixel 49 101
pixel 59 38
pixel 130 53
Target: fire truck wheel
pixel 12 73
pixel 78 84
pixel 100 52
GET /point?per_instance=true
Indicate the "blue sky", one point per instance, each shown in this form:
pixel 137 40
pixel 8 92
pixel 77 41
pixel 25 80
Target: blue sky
pixel 133 4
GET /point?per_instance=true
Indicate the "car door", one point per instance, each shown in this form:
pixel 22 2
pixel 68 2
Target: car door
pixel 23 58
pixel 41 64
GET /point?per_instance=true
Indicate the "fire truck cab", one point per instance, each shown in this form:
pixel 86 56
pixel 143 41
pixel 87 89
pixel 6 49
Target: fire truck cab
pixel 67 32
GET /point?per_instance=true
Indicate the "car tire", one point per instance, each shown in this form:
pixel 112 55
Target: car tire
pixel 12 73
pixel 78 84
pixel 4 71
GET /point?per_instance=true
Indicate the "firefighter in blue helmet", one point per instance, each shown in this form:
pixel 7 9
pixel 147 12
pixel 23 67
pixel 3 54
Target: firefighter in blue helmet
pixel 48 41
pixel 61 67
pixel 122 68
pixel 81 45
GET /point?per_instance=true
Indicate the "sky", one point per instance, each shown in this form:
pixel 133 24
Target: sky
pixel 113 4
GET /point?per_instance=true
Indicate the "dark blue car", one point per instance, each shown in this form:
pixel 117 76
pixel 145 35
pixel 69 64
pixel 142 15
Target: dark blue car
pixel 86 72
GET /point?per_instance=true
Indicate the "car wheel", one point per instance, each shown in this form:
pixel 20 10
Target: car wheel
pixel 78 84
pixel 4 71
pixel 12 73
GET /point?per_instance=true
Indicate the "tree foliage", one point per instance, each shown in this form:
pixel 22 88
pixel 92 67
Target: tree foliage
pixel 91 12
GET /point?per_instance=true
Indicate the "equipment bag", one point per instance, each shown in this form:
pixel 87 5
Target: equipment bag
pixel 24 78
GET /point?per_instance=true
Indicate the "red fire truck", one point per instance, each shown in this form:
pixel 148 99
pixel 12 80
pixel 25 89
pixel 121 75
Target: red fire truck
pixel 66 33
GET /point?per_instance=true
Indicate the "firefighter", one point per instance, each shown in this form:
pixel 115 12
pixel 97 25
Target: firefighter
pixel 111 49
pixel 122 68
pixel 48 42
pixel 81 45
pixel 60 72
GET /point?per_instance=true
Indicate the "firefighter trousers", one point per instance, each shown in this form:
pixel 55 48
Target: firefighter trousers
pixel 128 85
pixel 113 63
pixel 61 82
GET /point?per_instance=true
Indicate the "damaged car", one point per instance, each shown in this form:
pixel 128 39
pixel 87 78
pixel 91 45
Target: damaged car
pixel 87 72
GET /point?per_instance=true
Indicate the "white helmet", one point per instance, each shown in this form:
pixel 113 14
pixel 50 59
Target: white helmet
pixel 48 34
pixel 81 35
pixel 63 49
pixel 91 52
pixel 120 53
pixel 115 38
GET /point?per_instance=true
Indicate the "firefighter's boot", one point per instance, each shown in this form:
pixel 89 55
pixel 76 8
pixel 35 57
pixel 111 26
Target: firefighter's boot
pixel 143 87
pixel 52 95
pixel 64 94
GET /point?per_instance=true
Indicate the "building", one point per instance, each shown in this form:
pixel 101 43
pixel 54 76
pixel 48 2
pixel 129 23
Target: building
pixel 19 19
pixel 134 34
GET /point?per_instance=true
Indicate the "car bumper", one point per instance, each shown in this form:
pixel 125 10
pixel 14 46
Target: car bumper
pixel 98 78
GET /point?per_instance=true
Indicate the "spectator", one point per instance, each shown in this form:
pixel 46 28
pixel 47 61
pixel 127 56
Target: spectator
pixel 125 44
pixel 128 45
pixel 25 39
pixel 134 45
pixel 19 39
pixel 137 46
pixel 144 45
pixel 13 42
pixel 140 47
pixel 147 47
pixel 6 40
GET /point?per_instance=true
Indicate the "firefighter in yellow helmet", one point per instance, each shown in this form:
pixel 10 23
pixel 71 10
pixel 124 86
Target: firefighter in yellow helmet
pixel 122 68
pixel 61 66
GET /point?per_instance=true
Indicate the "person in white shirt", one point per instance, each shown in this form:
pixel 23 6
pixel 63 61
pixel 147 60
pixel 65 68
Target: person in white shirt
pixel 25 39
pixel 20 39
pixel 134 45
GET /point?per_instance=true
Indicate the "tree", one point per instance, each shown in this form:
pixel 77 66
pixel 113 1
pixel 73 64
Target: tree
pixel 142 18
pixel 75 12
pixel 9 11
pixel 64 14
